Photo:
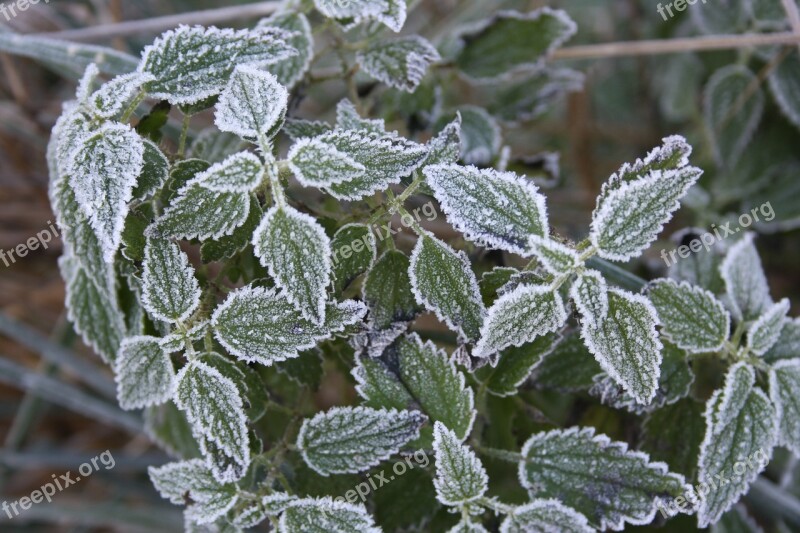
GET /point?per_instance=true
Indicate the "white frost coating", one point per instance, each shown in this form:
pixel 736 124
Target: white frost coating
pixel 200 213
pixel 400 63
pixel 347 118
pixel 318 164
pixel 326 514
pixel 292 69
pixel 466 525
pixel 176 341
pixel 297 253
pixel 788 344
pixel 252 104
pixel 555 257
pixel 546 516
pixel 784 382
pixel 86 82
pixel 241 172
pixel 144 373
pixel 590 294
pixel 495 209
pixel 352 439
pixel 103 171
pixel 745 281
pixel 391 13
pixel 764 333
pixel 785 87
pixel 110 99
pixel 170 291
pixel 481 135
pixel 460 476
pixel 626 344
pixel 519 317
pixel 445 148
pixel 374 341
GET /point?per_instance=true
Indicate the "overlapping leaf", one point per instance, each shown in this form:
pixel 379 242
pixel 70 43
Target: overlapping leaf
pixel 400 63
pixel 144 373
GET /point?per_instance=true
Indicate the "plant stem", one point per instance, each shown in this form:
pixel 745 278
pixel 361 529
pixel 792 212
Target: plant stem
pixel 184 136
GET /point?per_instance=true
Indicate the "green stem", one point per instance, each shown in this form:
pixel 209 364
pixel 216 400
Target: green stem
pixel 128 113
pixel 184 136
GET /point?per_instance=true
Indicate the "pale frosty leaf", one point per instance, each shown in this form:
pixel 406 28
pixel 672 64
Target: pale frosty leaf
pixel 297 128
pixel 144 373
pixel 690 316
pixel 259 325
pixel 590 294
pixel 387 290
pixel 599 478
pixel 741 429
pixel 730 118
pixel 210 498
pixel 213 146
pixel 215 410
pixel 326 515
pixel 379 386
pixel 347 118
pixel 252 104
pixel 764 333
pixel 445 148
pixel 295 249
pixel 520 316
pixel 481 136
pixel 788 343
pixel 460 476
pixel 626 344
pixel 353 439
pixel 155 171
pixel 784 82
pixel 373 342
pixel 176 341
pixel 468 526
pixel 736 521
pixel 528 98
pixel 553 256
pixel 292 69
pixel 745 281
pixel 516 364
pixel 354 251
pixel 192 64
pixel 238 173
pixel 784 382
pixel 510 41
pixel 495 209
pixel 391 13
pixel 201 213
pixel 110 99
pixel 727 17
pixel 442 280
pixel 546 516
pixel 103 173
pixel 170 289
pixel 319 164
pixel 399 63
pixel 87 83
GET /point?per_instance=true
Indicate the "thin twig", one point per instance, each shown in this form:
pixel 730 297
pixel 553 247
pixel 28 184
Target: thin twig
pixel 794 15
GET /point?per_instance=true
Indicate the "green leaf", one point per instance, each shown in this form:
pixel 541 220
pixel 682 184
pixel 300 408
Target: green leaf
pixel 352 439
pixel 170 291
pixel 492 281
pixel 784 83
pixel 764 333
pixel 167 426
pixel 517 363
pixel 210 498
pixel 252 104
pixel 407 502
pixel 690 316
pixel 590 294
pixel 348 118
pixel 597 477
pixel 445 148
pixel 788 344
pixel 442 280
pixel 110 99
pixel 297 128
pixel 494 209
pixel 673 435
pixel 460 476
pixel 155 171
pixel 248 382
pixel 144 373
pixel 387 290
pixel 534 95
pixel 728 18
pixel 745 281
pixel 213 146
pixel 326 515
pixel 736 521
pixel 511 41
pixel 569 368
pixel 291 70
pixel 297 253
pixel 784 382
pixel 391 13
pixel 553 256
pixel 399 63
pixel 354 252
pixel 230 245
pixel 306 369
pixel 379 386
pixel 481 135
pixel 201 213
pixel 545 515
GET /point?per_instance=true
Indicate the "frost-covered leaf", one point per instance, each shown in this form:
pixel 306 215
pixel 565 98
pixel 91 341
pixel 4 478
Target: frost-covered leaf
pixel 103 173
pixel 726 17
pixel 295 249
pixel 741 429
pixel 736 521
pixel 326 515
pixel 442 280
pixel 230 245
pixel 547 516
pixel 445 148
pixel 495 209
pixel 292 69
pixel 110 99
pixel 387 290
pixel 511 41
pixel 568 368
pixel 260 325
pixel 597 477
pixel 379 386
pixel 297 128
pixel 690 316
pixel 215 410
pixel 167 426
pixel 460 476
pixel 155 171
pixel 352 439
pixel 745 281
pixel 144 373
pixel 732 106
pixel 252 104
pixel 590 294
pixel 170 290
pixel 764 333
pixel 788 343
pixel 319 164
pixel 191 64
pixel 784 82
pixel 348 118
pixel 517 363
pixel 354 251
pixel 210 498
pixel 784 382
pixel 626 344
pixel 399 63
pixel 534 95
pixel 373 342
pixel 213 146
pixel 481 136
pixel 466 525
pixel 391 13
pixel 553 256
pixel 520 316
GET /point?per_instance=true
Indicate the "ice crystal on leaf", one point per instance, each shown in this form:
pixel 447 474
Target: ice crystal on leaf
pixel 291 70
pixel 399 63
pixel 391 13
pixel 144 373
pixel 110 99
pixel 170 291
pixel 553 256
pixel 460 476
pixel 326 515
pixel 252 104
pixel 545 515
pixel 765 331
pixel 590 294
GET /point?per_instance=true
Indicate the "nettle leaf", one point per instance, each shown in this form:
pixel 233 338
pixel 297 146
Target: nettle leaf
pixel 387 290
pixel 316 163
pixel 785 85
pixel 110 99
pixel 391 13
pixel 379 386
pixel 297 128
pixel 730 16
pixel 745 281
pixel 784 382
pixel 442 280
pixel 347 118
pixel 553 256
pixel 167 426
pixel 517 363
pixel 191 64
pixel 354 251
pixel 214 408
pixel 252 104
pixel 481 135
pixel 144 373
pixel 103 173
pixel 295 249
pixel 260 325
pixel 520 316
pixel 569 368
pixel 533 95
pixel 626 344
pixel 460 476
pixel 590 294
pixel 326 515
pixel 155 171
pixel 210 498
pixel 597 477
pixel 731 118
pixel 512 41
pixel 673 434
pixel 788 343
pixel 764 333
pixel 690 316
pixel 545 515
pixel 741 429
pixel 352 439
pixel 494 209
pixel 291 70
pixel 399 63
pixel 445 148
pixel 170 291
